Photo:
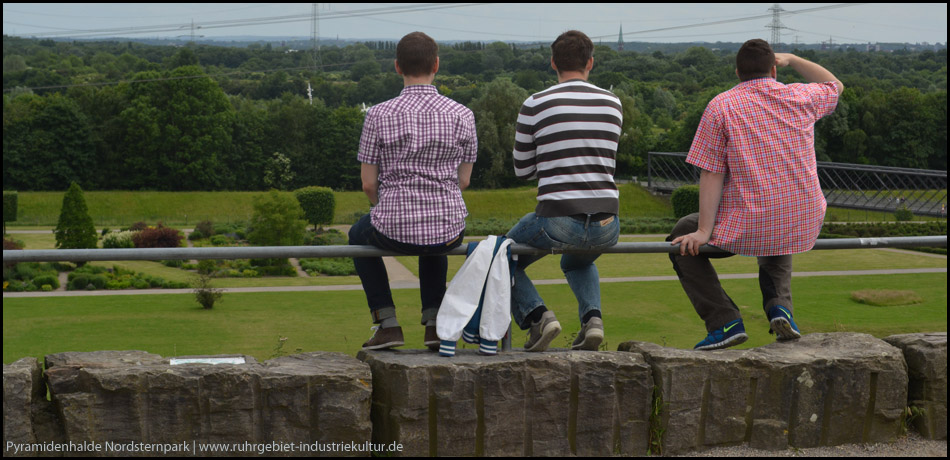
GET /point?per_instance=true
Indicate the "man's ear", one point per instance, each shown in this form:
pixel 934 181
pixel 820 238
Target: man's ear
pixel 435 69
pixel 396 64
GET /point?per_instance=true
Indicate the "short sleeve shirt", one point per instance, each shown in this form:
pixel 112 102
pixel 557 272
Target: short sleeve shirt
pixel 761 134
pixel 418 140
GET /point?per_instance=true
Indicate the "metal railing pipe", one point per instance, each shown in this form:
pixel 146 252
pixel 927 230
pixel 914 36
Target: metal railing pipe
pixel 268 252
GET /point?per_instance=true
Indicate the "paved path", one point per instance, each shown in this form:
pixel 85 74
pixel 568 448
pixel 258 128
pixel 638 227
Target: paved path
pixel 395 284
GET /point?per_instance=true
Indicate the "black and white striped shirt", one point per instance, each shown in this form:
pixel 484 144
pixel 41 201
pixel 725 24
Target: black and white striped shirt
pixel 567 138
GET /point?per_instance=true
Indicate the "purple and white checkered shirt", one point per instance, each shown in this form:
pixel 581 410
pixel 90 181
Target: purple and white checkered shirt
pixel 418 140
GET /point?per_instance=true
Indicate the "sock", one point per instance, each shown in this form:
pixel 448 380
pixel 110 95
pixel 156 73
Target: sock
pixel 389 322
pixel 591 314
pixel 431 322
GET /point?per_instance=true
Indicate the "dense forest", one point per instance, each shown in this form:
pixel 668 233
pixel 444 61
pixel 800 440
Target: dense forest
pixel 128 116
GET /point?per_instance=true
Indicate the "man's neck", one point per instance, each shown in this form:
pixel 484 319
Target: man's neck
pixel 420 80
pixel 571 75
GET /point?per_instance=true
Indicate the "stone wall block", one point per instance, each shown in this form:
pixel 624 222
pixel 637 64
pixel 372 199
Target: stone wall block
pixel 823 389
pixel 134 397
pixel 516 403
pixel 23 390
pixel 926 357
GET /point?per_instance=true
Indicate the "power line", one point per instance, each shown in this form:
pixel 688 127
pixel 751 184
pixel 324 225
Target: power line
pixel 254 21
pixel 728 21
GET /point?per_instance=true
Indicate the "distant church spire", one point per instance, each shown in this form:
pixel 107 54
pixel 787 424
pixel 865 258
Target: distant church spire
pixel 620 39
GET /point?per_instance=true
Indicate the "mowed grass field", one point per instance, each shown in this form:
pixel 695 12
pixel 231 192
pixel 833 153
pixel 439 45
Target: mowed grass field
pixel 253 323
pixel 117 209
pixel 121 208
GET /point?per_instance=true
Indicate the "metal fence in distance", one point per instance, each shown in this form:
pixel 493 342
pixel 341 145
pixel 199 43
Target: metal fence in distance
pixel 872 188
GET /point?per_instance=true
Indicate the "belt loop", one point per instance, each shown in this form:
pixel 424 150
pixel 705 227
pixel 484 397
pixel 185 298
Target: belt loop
pixel 587 222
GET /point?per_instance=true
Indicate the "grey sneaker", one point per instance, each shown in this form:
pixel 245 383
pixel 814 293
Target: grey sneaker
pixel 590 336
pixel 543 332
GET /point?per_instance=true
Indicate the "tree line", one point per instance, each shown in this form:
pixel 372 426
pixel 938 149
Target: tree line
pixel 128 116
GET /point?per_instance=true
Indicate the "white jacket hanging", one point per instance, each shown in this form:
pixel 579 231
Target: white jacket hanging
pixel 484 276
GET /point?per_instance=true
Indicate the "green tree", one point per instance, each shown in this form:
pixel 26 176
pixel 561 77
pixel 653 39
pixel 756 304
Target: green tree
pixel 277 221
pixel 177 129
pixel 75 229
pixel 46 143
pixel 496 112
pixel 318 205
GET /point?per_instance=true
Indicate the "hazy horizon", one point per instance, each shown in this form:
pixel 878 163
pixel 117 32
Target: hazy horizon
pixel 513 22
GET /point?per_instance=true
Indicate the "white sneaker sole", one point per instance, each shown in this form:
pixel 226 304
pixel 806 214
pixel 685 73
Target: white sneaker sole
pixel 550 331
pixel 592 340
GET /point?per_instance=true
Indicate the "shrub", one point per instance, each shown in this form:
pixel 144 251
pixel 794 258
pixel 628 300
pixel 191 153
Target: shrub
pixel 207 266
pixel 9 244
pixel 42 280
pixel 220 240
pixel 196 235
pixel 205 227
pixel 204 293
pixel 118 240
pixel 79 282
pixel 685 200
pixel 330 237
pixel 161 237
pixel 318 204
pixel 138 226
pixel 10 200
pixel 903 214
pixel 75 229
pixel 329 266
pixel 277 221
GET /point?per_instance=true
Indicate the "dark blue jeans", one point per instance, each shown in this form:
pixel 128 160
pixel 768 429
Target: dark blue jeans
pixel 372 272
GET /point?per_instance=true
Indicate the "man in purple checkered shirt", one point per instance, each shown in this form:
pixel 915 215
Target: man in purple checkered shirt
pixel 417 153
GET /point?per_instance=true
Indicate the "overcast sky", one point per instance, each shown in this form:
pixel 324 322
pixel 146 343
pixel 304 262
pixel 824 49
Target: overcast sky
pixel 814 22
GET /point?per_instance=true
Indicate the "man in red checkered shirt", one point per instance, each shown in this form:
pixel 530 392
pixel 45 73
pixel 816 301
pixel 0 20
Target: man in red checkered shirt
pixel 758 191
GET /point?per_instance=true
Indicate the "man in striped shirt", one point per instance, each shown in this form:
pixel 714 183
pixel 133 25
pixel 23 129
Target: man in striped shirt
pixel 567 139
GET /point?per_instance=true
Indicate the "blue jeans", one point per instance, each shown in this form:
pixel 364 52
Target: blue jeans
pixel 579 269
pixel 372 272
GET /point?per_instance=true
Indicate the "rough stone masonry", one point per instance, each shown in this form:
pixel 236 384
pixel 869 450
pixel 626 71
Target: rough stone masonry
pixel 820 390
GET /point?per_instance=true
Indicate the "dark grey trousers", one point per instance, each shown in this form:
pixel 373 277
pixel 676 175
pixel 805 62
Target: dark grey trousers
pixel 701 283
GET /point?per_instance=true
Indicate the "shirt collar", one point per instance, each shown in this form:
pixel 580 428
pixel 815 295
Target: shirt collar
pixel 419 89
pixel 759 81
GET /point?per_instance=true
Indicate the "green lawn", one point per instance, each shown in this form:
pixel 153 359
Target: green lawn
pixel 252 323
pixel 116 209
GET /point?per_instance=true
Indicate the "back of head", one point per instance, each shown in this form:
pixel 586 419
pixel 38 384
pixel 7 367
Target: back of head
pixel 416 54
pixel 571 51
pixel 754 60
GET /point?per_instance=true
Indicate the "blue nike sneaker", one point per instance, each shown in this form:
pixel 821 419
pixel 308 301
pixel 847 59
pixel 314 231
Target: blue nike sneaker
pixel 782 325
pixel 724 337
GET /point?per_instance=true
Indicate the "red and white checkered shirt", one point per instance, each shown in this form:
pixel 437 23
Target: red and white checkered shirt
pixel 418 140
pixel 761 134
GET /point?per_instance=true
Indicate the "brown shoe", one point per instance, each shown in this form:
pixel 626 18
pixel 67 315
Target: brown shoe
pixel 431 340
pixel 385 338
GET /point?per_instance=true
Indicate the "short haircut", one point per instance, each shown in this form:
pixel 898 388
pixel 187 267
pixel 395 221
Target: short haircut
pixel 416 54
pixel 755 59
pixel 571 51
